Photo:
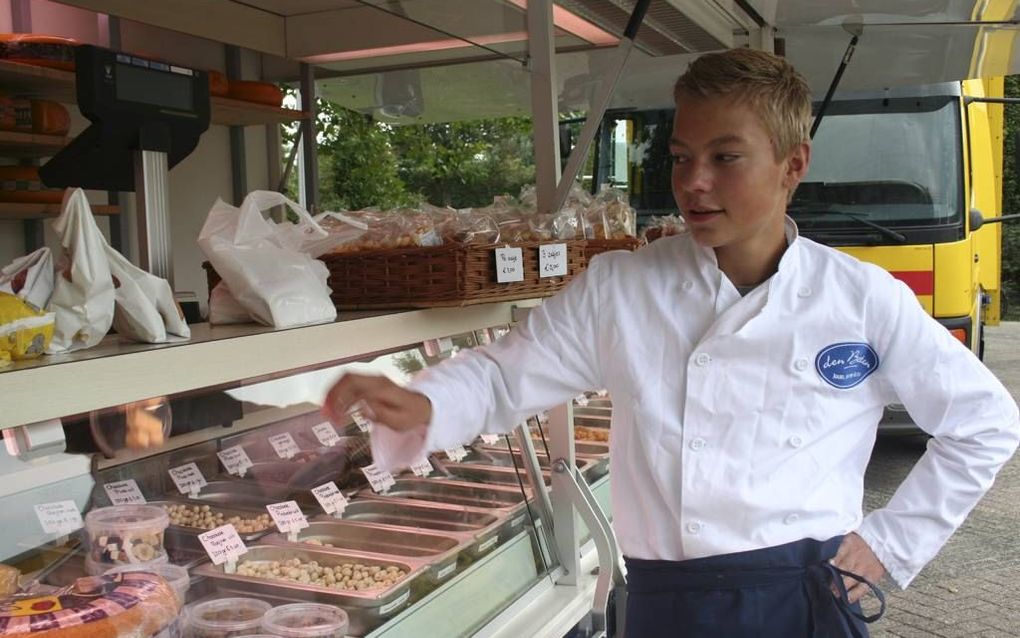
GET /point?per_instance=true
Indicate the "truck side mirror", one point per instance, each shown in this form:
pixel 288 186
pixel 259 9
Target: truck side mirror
pixel 977 220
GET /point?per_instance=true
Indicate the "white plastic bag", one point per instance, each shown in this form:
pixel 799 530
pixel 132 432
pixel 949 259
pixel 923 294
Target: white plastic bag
pixel 267 266
pixel 30 278
pixel 83 292
pixel 145 309
pixel 224 308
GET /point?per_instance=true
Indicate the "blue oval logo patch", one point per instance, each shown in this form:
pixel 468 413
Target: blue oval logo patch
pixel 844 365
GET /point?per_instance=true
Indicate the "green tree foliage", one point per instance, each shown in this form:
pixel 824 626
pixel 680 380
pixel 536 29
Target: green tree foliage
pixel 1011 203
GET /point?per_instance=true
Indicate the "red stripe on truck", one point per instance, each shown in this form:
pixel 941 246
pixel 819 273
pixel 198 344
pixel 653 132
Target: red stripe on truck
pixel 922 282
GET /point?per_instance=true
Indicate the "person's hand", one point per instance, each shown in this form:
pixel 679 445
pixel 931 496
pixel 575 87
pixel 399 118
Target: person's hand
pixel 144 427
pixel 854 555
pixel 381 400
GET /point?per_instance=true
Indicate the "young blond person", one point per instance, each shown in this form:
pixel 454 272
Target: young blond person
pixel 749 368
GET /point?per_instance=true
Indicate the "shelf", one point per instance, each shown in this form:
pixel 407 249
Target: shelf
pixel 17 144
pixel 240 113
pixel 41 211
pixel 28 80
pixel 116 371
pixel 53 84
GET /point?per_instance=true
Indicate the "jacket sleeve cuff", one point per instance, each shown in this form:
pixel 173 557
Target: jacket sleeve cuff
pixel 398 449
pixel 897 570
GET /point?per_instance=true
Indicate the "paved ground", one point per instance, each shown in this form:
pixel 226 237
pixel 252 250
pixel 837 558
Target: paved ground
pixel 971 588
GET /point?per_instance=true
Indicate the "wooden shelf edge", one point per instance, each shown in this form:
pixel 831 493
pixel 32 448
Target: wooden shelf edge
pixel 232 112
pixel 15 211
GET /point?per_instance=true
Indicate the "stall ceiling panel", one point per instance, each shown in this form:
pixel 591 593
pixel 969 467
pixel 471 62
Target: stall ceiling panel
pixel 286 8
pixel 668 28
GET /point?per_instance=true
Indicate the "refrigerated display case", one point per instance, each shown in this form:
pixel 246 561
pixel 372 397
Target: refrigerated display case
pixel 467 547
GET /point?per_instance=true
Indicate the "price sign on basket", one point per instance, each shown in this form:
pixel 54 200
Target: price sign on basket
pixel 422 467
pixel 552 260
pixel 490 439
pixel 509 265
pixel 222 544
pixel 330 498
pixel 287 516
pixel 326 434
pixel 380 480
pixel 188 479
pixel 235 460
pixel 456 454
pixel 124 493
pixel 59 518
pixel 284 444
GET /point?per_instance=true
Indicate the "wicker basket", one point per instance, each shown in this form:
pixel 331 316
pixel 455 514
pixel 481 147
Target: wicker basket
pixel 594 247
pixel 429 277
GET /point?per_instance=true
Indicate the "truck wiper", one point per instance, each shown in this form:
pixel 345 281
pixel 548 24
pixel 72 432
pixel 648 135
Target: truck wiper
pixel 860 218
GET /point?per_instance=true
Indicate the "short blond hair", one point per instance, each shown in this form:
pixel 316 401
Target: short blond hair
pixel 768 83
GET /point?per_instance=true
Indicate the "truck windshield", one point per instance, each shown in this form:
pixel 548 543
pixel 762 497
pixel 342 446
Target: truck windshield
pixel 895 162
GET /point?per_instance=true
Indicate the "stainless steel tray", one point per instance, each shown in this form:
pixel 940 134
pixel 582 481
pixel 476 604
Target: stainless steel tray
pixel 181 532
pixel 589 449
pixel 491 474
pixel 491 497
pixel 593 467
pixel 366 609
pixel 439 551
pixel 484 527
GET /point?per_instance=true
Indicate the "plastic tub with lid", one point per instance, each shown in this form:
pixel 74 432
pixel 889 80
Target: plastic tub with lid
pixel 306 620
pixel 225 618
pixel 177 577
pixel 122 534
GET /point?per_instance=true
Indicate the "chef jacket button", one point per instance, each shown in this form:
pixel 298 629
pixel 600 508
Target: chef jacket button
pixel 688 284
pixel 796 441
pixel 791 519
pixel 697 444
pixel 804 292
pixel 702 359
pixel 694 527
pixel 801 364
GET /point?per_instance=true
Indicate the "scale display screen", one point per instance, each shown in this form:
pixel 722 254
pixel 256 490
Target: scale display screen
pixel 158 88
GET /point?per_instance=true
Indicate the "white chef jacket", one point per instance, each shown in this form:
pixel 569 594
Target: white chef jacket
pixel 741 422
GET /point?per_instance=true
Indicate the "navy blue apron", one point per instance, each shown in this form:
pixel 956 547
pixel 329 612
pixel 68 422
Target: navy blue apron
pixel 776 592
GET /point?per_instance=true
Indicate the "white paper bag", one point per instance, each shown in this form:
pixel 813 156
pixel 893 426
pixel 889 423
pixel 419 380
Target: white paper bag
pixel 30 278
pixel 145 309
pixel 83 292
pixel 266 265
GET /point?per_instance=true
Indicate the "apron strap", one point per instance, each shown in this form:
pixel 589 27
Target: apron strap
pixel 827 575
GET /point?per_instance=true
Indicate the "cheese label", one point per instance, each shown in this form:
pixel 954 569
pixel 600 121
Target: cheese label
pixel 124 493
pixel 59 518
pixel 326 434
pixel 188 478
pixel 235 460
pixel 330 498
pixel 284 445
pixel 222 544
pixel 287 516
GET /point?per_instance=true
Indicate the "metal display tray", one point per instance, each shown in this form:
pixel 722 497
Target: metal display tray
pixel 233 492
pixel 485 527
pixel 591 449
pixel 366 609
pixel 181 532
pixel 491 474
pixel 439 551
pixel 592 467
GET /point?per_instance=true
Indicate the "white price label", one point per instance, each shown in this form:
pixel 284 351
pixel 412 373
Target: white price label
pixel 284 444
pixel 380 480
pixel 422 467
pixel 59 518
pixel 235 460
pixel 124 493
pixel 603 393
pixel 287 516
pixel 456 454
pixel 326 434
pixel 552 260
pixel 509 265
pixel 222 544
pixel 360 420
pixel 330 498
pixel 581 400
pixel 490 439
pixel 188 478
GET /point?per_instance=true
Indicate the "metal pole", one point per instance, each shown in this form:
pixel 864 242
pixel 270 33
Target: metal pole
pixel 238 156
pixel 152 209
pixel 309 155
pixel 544 107
pixel 568 537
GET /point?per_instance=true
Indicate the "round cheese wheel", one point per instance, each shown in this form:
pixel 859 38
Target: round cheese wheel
pixel 40 50
pixel 136 604
pixel 21 184
pixel 260 92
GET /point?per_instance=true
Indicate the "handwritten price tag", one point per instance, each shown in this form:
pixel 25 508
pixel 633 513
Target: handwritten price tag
pixel 285 445
pixel 326 434
pixel 456 454
pixel 330 498
pixel 222 544
pixel 287 516
pixel 552 260
pixel 581 400
pixel 380 480
pixel 360 420
pixel 509 265
pixel 124 493
pixel 490 439
pixel 188 478
pixel 422 467
pixel 235 460
pixel 59 518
